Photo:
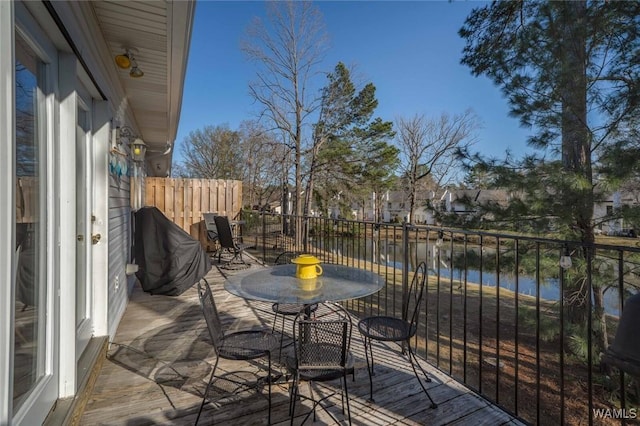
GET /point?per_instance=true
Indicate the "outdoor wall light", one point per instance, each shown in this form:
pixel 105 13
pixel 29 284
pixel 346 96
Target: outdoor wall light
pixel 565 259
pixel 127 61
pixel 138 150
pixel 440 239
pixel 121 134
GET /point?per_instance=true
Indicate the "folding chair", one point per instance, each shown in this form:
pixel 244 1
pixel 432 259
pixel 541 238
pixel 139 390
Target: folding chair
pixel 239 345
pixel 228 243
pixel 399 330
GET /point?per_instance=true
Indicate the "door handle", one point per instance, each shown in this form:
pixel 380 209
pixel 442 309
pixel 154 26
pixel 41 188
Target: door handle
pixel 95 238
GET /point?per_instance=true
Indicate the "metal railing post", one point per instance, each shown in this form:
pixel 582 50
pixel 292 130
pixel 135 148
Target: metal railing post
pixel 264 237
pixel 405 266
pixel 305 233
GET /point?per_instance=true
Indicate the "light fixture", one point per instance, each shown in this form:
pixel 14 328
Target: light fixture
pixel 135 72
pixel 126 61
pixel 565 259
pixel 138 150
pixel 123 61
pixel 440 239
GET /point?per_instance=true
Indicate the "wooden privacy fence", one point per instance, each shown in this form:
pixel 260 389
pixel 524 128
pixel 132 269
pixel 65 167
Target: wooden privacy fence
pixel 27 199
pixel 184 200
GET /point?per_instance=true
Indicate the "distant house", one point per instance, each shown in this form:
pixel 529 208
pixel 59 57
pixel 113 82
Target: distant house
pixel 466 201
pixel 395 204
pixel 604 210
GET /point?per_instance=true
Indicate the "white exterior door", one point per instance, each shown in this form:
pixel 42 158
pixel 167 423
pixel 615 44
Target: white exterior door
pixel 84 237
pixel 28 378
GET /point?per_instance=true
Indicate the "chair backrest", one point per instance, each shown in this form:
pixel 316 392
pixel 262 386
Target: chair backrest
pixel 210 224
pixel 209 221
pixel 414 295
pixel 225 236
pixel 210 313
pixel 322 343
pixel 284 258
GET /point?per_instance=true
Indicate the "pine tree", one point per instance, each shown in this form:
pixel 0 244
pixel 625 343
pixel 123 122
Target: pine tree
pixel 350 151
pixel 571 72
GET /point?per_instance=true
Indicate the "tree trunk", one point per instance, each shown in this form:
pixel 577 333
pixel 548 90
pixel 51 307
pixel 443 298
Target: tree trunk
pixel 412 203
pixel 298 165
pixel 310 180
pixel 576 151
pixel 600 320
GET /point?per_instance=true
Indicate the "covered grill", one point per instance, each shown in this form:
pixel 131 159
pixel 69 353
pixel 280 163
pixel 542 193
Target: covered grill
pixel 170 260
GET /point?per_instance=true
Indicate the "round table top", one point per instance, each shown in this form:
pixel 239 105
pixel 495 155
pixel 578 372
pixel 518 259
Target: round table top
pixel 280 284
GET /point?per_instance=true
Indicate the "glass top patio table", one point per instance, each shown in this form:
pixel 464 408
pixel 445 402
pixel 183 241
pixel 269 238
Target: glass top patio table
pixel 280 284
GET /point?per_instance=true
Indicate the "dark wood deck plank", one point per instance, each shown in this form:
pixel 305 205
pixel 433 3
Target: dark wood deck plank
pixel 160 360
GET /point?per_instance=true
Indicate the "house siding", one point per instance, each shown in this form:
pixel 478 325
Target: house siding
pixel 119 250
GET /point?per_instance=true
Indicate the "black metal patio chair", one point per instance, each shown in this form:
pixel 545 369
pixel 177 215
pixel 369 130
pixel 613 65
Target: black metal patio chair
pixel 398 330
pixel 284 310
pixel 229 243
pixel 240 345
pixel 321 354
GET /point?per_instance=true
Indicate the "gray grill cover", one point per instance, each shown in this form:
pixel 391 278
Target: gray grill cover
pixel 170 260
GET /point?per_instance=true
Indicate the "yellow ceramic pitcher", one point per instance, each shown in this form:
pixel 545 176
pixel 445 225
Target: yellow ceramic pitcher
pixel 308 266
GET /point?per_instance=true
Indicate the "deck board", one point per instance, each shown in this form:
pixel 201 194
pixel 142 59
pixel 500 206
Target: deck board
pixel 160 360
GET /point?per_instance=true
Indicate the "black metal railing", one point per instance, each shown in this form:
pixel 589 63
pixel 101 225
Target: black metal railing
pixel 502 316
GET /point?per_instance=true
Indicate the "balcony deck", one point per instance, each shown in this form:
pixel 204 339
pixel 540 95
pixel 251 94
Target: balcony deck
pixel 160 360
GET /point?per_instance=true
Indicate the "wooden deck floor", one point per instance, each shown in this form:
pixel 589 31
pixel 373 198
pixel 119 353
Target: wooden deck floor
pixel 160 360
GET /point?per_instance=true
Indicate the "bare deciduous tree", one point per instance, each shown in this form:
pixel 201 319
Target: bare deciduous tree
pixel 429 147
pixel 263 162
pixel 211 153
pixel 288 50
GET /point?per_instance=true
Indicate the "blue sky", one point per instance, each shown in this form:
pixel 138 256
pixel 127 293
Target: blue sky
pixel 409 50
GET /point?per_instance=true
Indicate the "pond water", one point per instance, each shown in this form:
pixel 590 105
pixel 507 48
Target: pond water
pixel 391 253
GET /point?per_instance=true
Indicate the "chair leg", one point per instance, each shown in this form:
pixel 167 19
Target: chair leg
pixel 293 395
pixel 206 392
pixel 310 397
pixel 273 329
pixel 313 401
pixel 275 319
pixel 346 396
pixel 269 379
pixel 414 362
pixel 368 354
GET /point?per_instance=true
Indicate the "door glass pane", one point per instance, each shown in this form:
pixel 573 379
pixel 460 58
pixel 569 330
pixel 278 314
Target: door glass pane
pixel 29 258
pixel 81 222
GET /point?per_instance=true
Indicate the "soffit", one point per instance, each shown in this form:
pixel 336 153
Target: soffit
pixel 158 33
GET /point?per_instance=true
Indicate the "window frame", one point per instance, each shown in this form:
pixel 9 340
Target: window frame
pixel 43 395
